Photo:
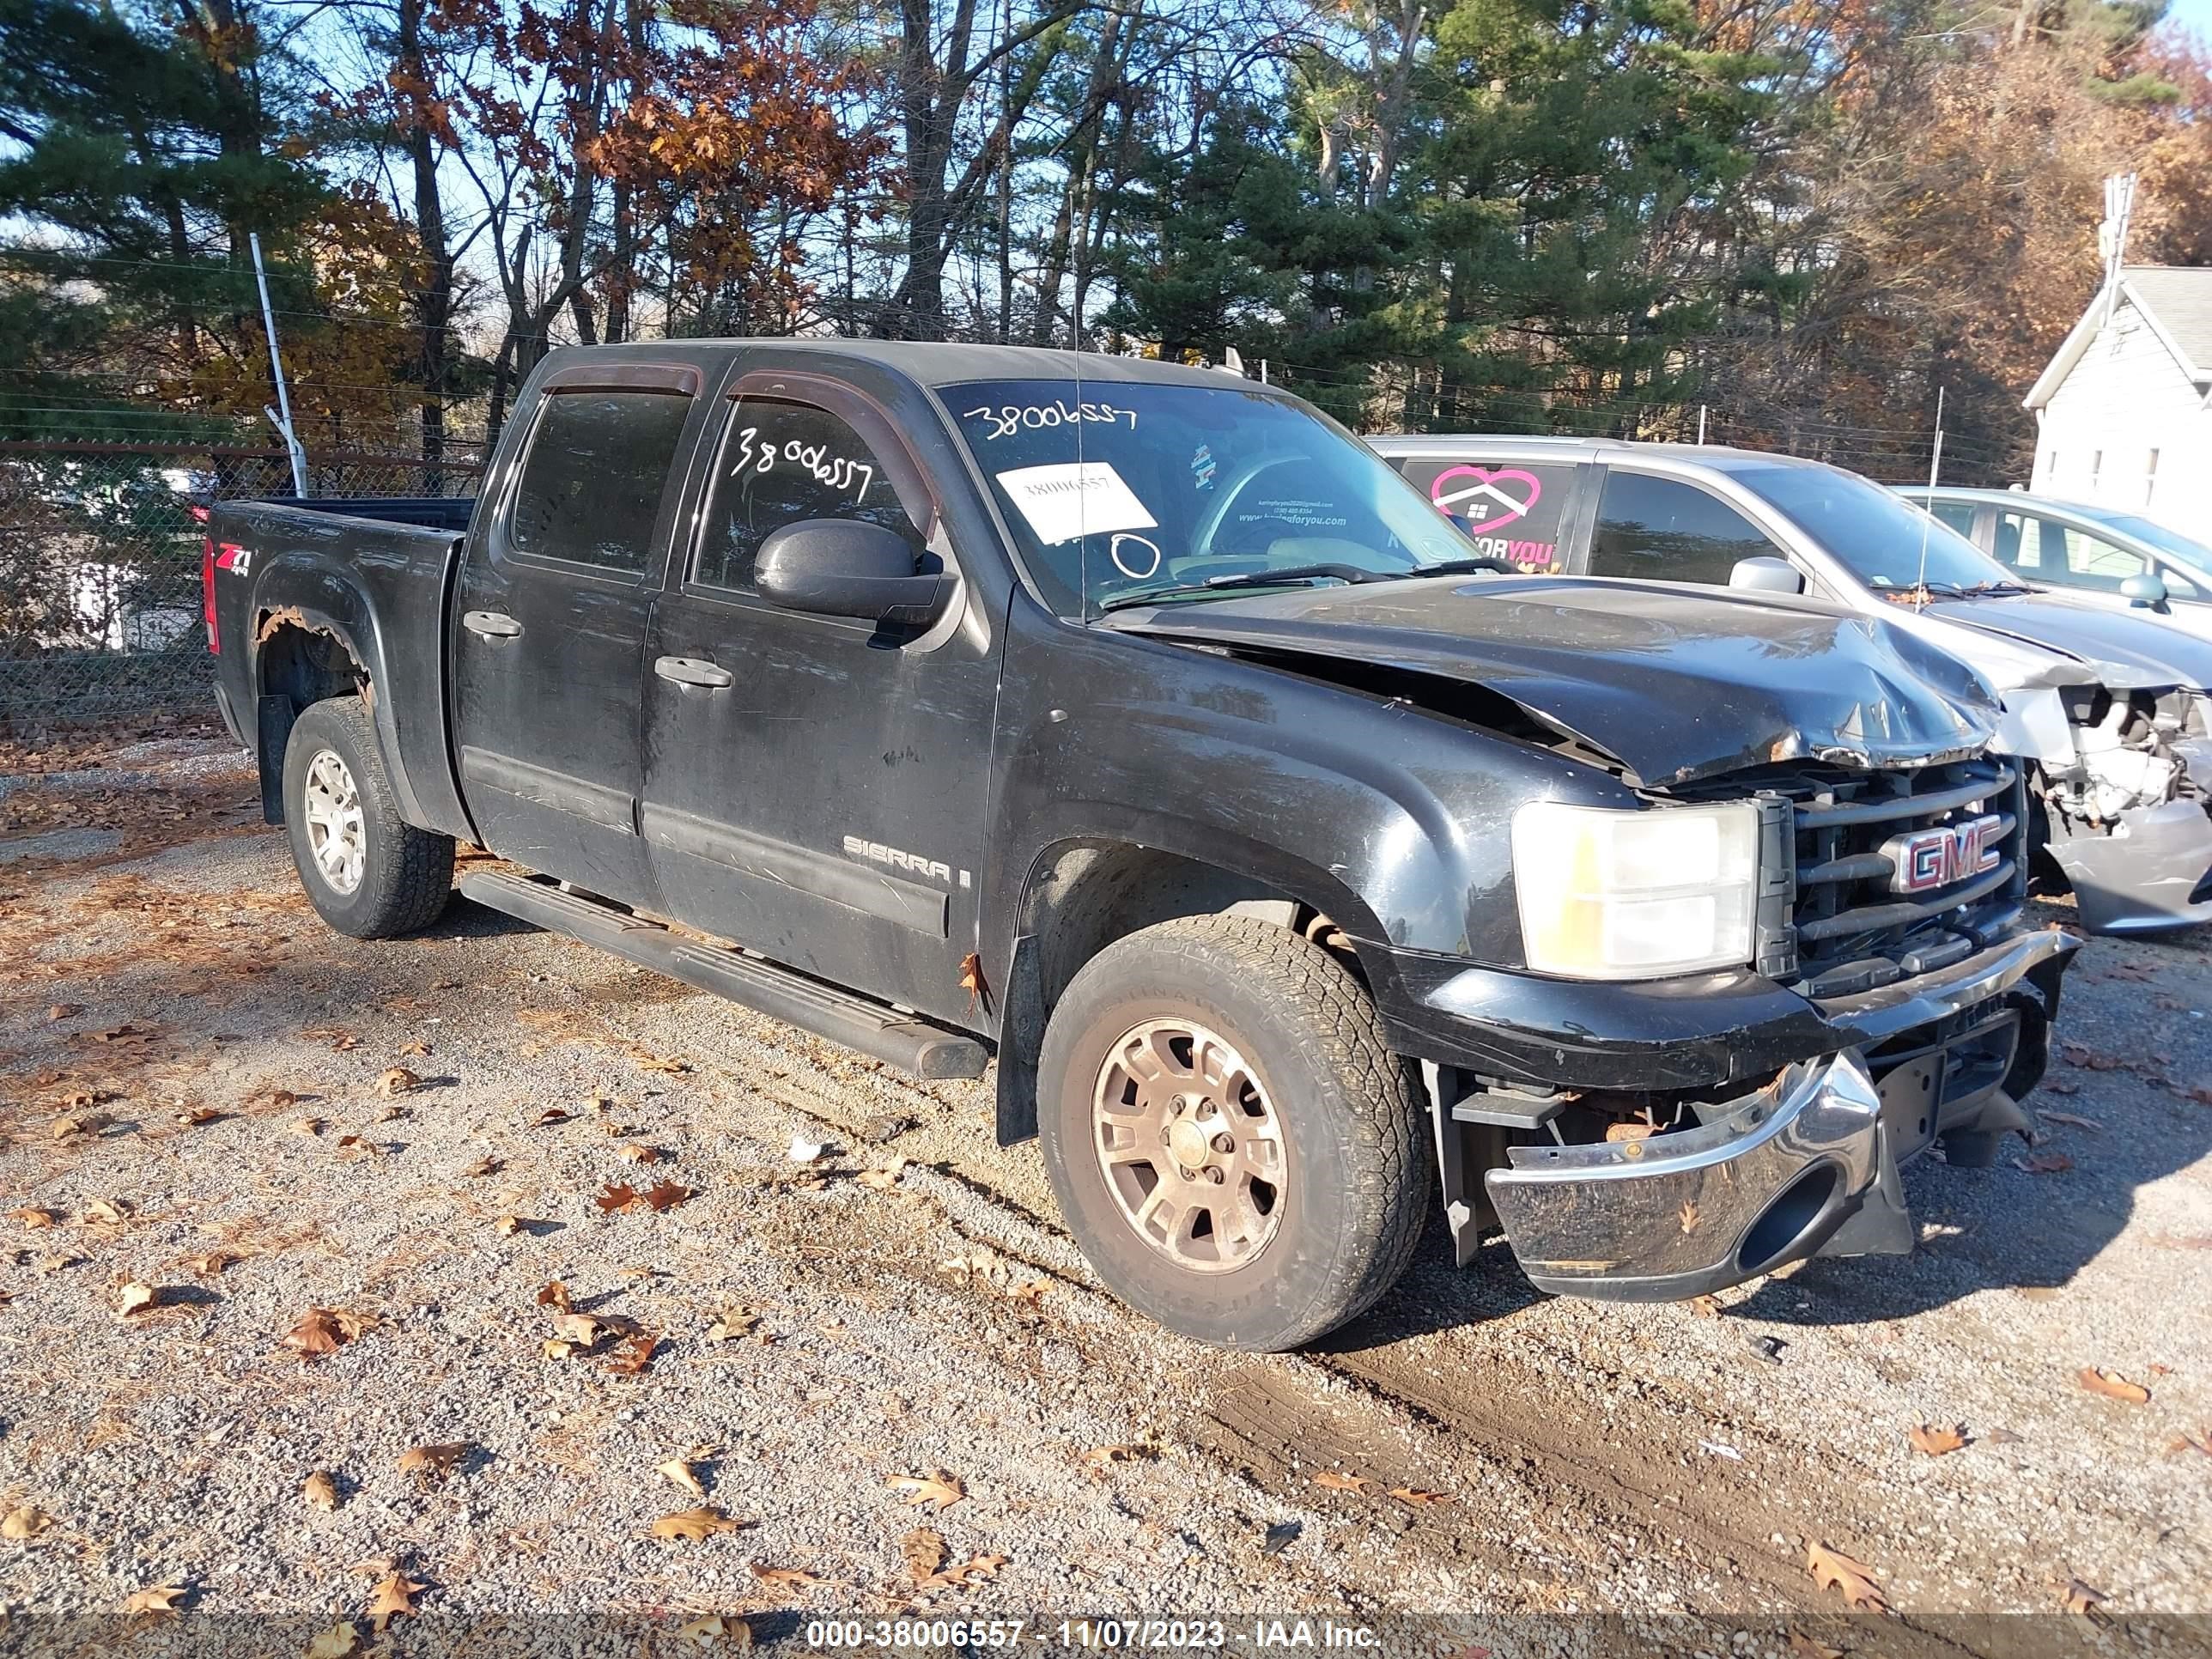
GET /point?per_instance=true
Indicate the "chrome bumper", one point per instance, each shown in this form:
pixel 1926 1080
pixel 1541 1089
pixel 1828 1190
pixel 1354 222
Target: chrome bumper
pixel 1768 1182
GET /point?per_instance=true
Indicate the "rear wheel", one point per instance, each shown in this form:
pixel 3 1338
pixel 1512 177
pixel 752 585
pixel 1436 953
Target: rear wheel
pixel 368 871
pixel 1231 1141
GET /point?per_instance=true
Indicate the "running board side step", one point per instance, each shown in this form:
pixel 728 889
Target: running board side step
pixel 907 1040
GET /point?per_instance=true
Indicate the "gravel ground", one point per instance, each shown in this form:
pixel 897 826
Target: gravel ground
pixel 189 1096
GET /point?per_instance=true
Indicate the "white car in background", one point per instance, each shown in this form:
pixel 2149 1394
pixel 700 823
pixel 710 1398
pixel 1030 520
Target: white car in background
pixel 2102 557
pixel 2108 709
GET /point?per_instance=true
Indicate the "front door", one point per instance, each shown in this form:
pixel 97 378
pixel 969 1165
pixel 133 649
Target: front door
pixel 815 787
pixel 549 638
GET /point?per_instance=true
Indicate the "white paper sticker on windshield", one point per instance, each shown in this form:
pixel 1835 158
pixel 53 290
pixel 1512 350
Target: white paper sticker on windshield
pixel 1075 498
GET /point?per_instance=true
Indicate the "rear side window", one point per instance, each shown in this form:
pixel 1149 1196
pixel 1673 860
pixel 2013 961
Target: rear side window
pixel 1510 510
pixel 592 483
pixel 782 462
pixel 1662 530
pixel 1960 515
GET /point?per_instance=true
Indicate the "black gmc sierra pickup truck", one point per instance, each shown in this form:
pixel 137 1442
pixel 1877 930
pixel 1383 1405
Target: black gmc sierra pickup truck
pixel 1138 726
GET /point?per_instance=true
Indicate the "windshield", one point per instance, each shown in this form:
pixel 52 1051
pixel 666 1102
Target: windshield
pixel 2194 554
pixel 1131 489
pixel 1874 533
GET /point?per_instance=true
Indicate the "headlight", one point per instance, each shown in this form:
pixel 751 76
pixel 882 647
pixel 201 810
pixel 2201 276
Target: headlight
pixel 1612 895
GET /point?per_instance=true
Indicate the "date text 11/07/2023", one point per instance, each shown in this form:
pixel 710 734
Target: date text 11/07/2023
pixel 1092 1634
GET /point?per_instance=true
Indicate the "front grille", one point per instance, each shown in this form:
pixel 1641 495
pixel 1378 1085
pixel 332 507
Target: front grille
pixel 1841 927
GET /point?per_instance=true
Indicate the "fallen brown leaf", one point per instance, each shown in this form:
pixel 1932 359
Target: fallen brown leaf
pixel 924 1553
pixel 1099 1456
pixel 555 1295
pixel 507 1225
pixel 883 1180
pixel 417 1050
pixel 666 1196
pixel 322 1490
pixel 1415 1497
pixel 1936 1442
pixel 341 1641
pixel 306 1126
pixel 398 1081
pixel 731 1323
pixel 696 1525
pixel 632 1355
pixel 434 1462
pixel 616 1197
pixel 2045 1163
pixel 34 1219
pixel 1854 1580
pixel 716 1630
pixel 549 1116
pixel 680 1471
pixel 197 1117
pixel 136 1298
pixel 937 1489
pixel 394 1598
pixel 2113 1386
pixel 26 1521
pixel 212 1265
pixel 636 1152
pixel 482 1166
pixel 105 1212
pixel 2078 1599
pixel 324 1330
pixel 967 1574
pixel 154 1599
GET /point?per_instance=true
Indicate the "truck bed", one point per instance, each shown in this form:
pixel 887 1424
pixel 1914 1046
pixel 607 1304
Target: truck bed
pixel 375 572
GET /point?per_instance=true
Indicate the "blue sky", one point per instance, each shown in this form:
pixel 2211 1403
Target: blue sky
pixel 2198 13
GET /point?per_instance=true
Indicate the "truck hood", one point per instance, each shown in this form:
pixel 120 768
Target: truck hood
pixel 1675 682
pixel 2121 650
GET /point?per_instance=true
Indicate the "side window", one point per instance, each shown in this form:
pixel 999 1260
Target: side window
pixel 1664 530
pixel 591 484
pixel 2019 542
pixel 781 462
pixel 2064 556
pixel 1960 515
pixel 1513 511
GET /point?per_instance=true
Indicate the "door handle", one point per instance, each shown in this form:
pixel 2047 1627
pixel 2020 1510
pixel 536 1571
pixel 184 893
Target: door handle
pixel 491 624
pixel 694 671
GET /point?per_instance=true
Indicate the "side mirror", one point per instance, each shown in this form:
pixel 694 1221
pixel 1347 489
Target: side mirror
pixel 848 567
pixel 1767 575
pixel 2148 588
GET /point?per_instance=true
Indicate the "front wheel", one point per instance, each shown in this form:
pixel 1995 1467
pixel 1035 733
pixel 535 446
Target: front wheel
pixel 1231 1139
pixel 368 871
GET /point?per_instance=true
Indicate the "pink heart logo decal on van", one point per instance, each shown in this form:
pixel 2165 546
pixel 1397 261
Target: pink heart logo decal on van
pixel 1462 491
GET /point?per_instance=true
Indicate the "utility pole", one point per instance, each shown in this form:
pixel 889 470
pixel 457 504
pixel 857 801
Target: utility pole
pixel 281 417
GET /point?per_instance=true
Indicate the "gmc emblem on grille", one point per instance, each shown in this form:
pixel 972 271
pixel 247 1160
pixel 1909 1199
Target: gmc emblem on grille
pixel 1923 860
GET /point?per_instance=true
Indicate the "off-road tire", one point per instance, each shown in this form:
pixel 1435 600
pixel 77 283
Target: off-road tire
pixel 1357 1184
pixel 408 872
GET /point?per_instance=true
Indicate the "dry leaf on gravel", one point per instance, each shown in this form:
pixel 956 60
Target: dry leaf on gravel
pixel 34 1219
pixel 197 1117
pixel 616 1197
pixel 212 1264
pixel 325 1330
pixel 2080 1599
pixel 26 1521
pixel 924 1551
pixel 136 1298
pixel 482 1167
pixel 731 1323
pixel 795 1579
pixel 394 1598
pixel 632 1355
pixel 77 1123
pixel 507 1225
pixel 1099 1456
pixel 1418 1498
pixel 155 1599
pixel 632 1151
pixel 696 1525
pixel 105 1212
pixel 1335 1482
pixel 2045 1163
pixel 1935 1441
pixel 306 1126
pixel 1853 1580
pixel 937 1489
pixel 2070 1119
pixel 417 1050
pixel 2113 1386
pixel 666 1196
pixel 716 1630
pixel 556 1296
pixel 883 1180
pixel 967 1575
pixel 434 1462
pixel 677 1470
pixel 341 1641
pixel 320 1490
pixel 549 1116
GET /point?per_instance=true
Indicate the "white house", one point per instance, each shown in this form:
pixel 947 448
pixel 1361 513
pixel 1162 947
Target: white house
pixel 2125 408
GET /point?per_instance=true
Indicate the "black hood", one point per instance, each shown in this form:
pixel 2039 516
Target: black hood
pixel 1675 682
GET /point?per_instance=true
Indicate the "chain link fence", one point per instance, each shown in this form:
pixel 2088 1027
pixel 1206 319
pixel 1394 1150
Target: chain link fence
pixel 100 602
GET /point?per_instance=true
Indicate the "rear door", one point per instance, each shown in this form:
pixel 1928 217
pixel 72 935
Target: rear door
pixel 549 634
pixel 1523 512
pixel 815 787
pixel 2049 552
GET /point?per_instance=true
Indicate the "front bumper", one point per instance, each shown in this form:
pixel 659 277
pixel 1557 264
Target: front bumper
pixel 1805 1166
